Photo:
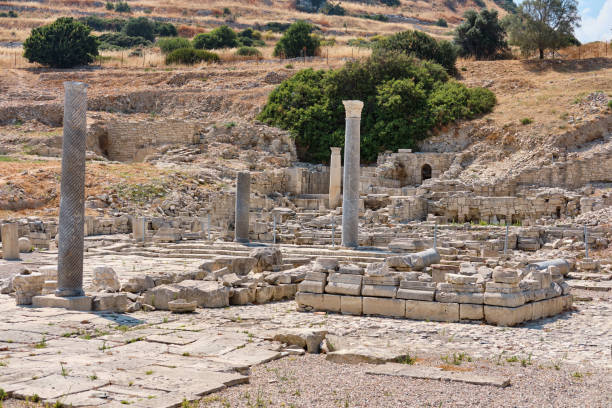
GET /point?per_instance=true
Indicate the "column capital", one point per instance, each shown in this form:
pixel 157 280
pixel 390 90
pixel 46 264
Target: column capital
pixel 336 150
pixel 75 85
pixel 353 108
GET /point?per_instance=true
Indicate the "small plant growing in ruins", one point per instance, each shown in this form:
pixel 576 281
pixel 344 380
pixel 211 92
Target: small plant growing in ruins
pixel 527 361
pixel 3 394
pixel 610 104
pixel 526 121
pixel 93 377
pixel 149 372
pixel 513 359
pixel 41 344
pixel 577 375
pixel 64 370
pixel 407 359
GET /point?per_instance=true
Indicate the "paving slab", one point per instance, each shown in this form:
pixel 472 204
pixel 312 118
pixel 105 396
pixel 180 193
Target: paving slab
pixel 435 373
pixel 212 344
pixel 55 386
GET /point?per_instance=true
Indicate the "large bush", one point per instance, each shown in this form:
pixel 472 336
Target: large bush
pixel 64 43
pixel 190 56
pixel 481 35
pixel 169 44
pixel 404 99
pixel 164 29
pixel 422 46
pixel 248 52
pixel 103 24
pixel 140 27
pixel 296 39
pixel 115 41
pixel 220 37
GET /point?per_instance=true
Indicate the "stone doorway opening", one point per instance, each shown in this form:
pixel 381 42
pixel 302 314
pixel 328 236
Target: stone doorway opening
pixel 425 172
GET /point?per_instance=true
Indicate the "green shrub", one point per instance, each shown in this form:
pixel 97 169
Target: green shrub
pixel 115 41
pixel 248 52
pixel 358 42
pixel 140 27
pixel 422 46
pixel 377 17
pixel 250 37
pixel 190 56
pixel 526 121
pixel 65 43
pixel 442 23
pixel 273 26
pixel 220 37
pixel 481 35
pixel 390 3
pixel 610 104
pixel 169 44
pixel 297 38
pixel 11 14
pixel 404 99
pixel 110 6
pixel 332 9
pixel 123 7
pixel 164 29
pixel 104 24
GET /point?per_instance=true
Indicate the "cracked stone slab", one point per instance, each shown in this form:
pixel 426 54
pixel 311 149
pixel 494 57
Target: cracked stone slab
pixel 250 355
pixel 55 386
pixel 435 373
pixel 364 354
pixel 212 344
pixel 175 338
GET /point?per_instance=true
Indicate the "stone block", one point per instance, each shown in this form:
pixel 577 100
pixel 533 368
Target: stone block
pixel 284 291
pixel 412 294
pixel 417 285
pixel 379 291
pixel 494 287
pixel 508 316
pixel 381 280
pixel 343 288
pixel 27 285
pixel 439 275
pixel 460 297
pixel 351 269
pixel 461 279
pixel 383 306
pixel 78 303
pixel 352 305
pixel 207 294
pixel 316 276
pixel 312 286
pixel 306 299
pixel 331 303
pixel 110 302
pixel 240 296
pixel 501 275
pixel 504 299
pixel 264 294
pixel 345 278
pixel 105 279
pixel 435 311
pixel 25 244
pixel 469 311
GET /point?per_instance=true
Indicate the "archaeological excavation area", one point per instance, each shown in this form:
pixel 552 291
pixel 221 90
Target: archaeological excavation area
pixel 398 270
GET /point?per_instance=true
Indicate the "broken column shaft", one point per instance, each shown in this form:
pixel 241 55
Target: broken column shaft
pixel 243 193
pixel 72 202
pixel 335 178
pixel 10 242
pixel 352 174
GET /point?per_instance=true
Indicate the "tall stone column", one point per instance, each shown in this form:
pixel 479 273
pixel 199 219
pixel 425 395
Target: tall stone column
pixel 72 199
pixel 243 197
pixel 335 178
pixel 352 174
pixel 10 242
pixel 139 229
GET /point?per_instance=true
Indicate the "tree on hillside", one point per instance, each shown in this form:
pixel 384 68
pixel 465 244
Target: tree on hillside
pixel 543 25
pixel 296 39
pixel 65 43
pixel 480 35
pixel 140 27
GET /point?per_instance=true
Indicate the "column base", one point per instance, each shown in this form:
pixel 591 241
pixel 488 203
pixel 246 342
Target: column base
pixel 79 303
pixel 242 240
pixel 69 292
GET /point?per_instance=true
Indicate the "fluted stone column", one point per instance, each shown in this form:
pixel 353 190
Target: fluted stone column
pixel 335 178
pixel 10 242
pixel 72 199
pixel 243 196
pixel 352 174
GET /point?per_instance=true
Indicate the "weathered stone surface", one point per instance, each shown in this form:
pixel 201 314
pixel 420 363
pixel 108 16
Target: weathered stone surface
pixel 508 316
pixel 105 279
pixel 412 294
pixel 363 354
pixel 501 275
pixel 26 286
pixel 182 306
pixel 471 311
pixel 352 305
pixel 25 244
pixel 504 299
pixel 384 307
pixel 110 302
pixel 264 294
pixel 311 286
pixel 79 303
pixel 460 297
pixel 207 294
pixel 379 291
pixel 266 258
pixel 436 311
pixel 309 339
pixel 343 288
pixel 137 284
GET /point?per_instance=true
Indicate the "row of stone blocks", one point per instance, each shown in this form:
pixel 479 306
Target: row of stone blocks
pixel 434 311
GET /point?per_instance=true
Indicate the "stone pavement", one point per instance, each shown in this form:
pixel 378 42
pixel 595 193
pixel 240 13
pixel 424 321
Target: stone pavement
pixel 157 359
